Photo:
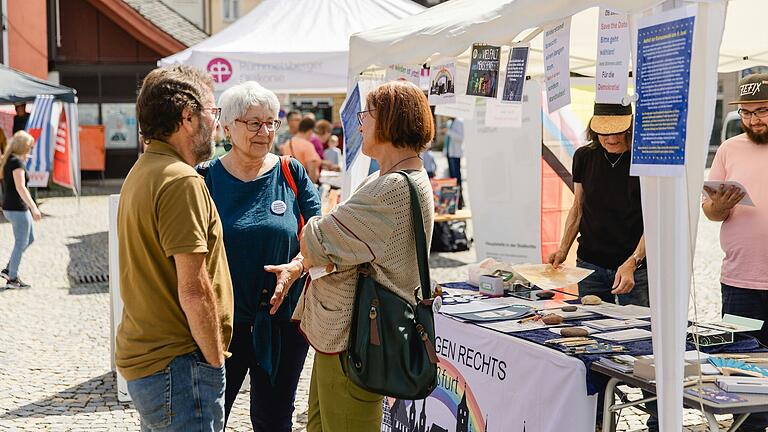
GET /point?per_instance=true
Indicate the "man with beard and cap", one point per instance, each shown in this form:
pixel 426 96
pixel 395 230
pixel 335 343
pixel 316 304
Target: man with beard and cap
pixel 744 232
pixel 174 278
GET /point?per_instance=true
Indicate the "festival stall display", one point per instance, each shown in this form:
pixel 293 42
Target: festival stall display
pixel 605 39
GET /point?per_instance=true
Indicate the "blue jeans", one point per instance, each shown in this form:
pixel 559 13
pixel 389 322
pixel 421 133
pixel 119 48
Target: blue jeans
pixel 271 406
pixel 23 234
pixel 750 303
pixel 188 395
pixel 599 283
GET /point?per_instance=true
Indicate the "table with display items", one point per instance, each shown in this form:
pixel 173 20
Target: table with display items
pixel 740 410
pixel 493 381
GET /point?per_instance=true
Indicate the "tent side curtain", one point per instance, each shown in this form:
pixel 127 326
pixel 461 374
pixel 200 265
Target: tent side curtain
pixel 21 87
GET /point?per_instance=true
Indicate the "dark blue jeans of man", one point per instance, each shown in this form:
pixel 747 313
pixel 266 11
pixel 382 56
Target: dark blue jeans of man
pixel 188 395
pixel 749 303
pixel 271 406
pixel 600 283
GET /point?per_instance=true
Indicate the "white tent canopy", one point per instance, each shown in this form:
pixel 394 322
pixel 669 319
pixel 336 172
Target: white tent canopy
pixel 291 46
pixel 451 28
pixel 670 204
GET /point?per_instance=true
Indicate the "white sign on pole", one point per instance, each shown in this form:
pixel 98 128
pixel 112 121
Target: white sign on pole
pixel 556 68
pixel 505 167
pixel 503 115
pixel 612 58
pixel 116 302
pixel 463 108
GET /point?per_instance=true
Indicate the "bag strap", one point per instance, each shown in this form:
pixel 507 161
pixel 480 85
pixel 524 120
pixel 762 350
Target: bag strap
pixel 421 239
pixel 285 166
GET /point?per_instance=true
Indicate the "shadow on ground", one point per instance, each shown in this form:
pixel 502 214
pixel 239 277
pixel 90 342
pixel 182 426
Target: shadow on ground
pixel 93 395
pixel 88 268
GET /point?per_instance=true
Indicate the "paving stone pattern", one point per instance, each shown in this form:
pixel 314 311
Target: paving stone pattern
pixel 54 338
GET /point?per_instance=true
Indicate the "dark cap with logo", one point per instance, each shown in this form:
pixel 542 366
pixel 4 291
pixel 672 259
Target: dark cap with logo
pixel 753 88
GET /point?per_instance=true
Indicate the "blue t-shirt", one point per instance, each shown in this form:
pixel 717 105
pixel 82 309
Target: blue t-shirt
pixel 260 220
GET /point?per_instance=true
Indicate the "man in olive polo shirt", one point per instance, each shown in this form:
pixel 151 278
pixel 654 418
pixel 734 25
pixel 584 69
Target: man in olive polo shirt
pixel 174 278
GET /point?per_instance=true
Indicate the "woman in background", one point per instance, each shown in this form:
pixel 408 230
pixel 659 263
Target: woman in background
pixel 18 206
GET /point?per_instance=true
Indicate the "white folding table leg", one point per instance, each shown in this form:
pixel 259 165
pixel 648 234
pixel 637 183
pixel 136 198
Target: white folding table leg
pixel 609 425
pixel 712 422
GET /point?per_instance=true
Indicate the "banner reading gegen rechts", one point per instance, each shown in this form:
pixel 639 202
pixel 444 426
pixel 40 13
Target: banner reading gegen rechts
pixel 491 382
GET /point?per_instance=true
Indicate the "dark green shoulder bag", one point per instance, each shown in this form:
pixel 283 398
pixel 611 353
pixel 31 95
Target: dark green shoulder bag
pixel 391 343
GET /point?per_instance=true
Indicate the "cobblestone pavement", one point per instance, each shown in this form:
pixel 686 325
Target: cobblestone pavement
pixel 54 338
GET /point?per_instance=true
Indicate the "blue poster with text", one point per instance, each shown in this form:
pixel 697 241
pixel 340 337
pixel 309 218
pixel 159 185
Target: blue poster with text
pixel 352 138
pixel 661 111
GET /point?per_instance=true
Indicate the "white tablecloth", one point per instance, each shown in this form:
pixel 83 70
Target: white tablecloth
pixel 489 381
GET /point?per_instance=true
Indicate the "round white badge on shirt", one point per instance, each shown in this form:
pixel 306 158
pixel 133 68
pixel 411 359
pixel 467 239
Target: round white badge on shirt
pixel 278 207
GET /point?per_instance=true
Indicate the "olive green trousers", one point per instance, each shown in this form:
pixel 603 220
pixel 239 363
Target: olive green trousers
pixel 336 404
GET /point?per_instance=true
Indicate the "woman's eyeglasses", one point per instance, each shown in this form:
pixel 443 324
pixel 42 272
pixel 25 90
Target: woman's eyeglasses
pixel 255 125
pixel 362 114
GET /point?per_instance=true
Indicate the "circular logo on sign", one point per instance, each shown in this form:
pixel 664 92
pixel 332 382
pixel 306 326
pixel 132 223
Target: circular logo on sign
pixel 220 70
pixel 278 207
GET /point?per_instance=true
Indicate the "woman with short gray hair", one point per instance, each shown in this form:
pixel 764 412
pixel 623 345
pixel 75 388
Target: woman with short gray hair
pixel 263 201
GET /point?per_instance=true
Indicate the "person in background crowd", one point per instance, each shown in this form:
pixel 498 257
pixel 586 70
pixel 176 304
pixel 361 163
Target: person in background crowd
pixel 174 278
pixel 302 149
pixel 744 231
pixel 332 155
pixel 307 131
pixel 18 206
pixel 331 152
pixel 324 132
pixel 292 119
pixel 21 117
pixel 373 226
pixel 429 161
pixel 454 150
pixel 260 214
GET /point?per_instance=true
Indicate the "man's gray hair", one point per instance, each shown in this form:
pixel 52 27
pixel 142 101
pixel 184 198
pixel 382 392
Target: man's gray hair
pixel 236 100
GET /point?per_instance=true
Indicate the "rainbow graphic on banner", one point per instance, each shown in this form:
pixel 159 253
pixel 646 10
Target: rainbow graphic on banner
pixel 456 395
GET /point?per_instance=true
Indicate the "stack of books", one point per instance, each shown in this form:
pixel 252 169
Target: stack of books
pixel 623 363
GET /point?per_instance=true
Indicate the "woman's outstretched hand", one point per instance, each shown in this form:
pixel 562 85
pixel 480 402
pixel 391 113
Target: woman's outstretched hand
pixel 286 274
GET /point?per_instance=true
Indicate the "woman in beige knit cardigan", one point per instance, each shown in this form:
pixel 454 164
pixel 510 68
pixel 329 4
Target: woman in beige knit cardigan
pixel 373 226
